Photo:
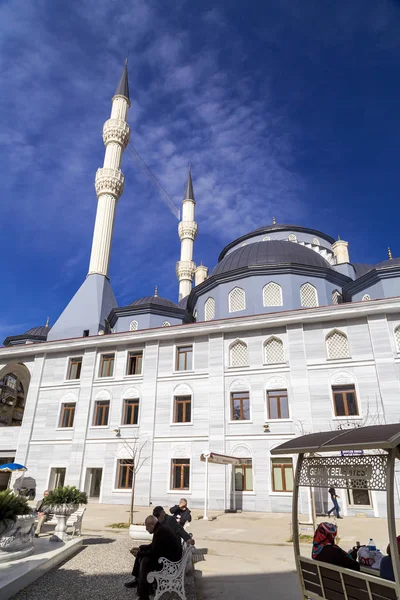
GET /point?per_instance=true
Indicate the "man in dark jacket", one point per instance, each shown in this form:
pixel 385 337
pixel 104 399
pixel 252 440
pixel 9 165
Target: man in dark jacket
pixel 181 512
pixel 334 497
pixel 165 544
pixel 170 522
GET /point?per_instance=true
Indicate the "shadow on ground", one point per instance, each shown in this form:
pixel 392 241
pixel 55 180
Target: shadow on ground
pixel 257 586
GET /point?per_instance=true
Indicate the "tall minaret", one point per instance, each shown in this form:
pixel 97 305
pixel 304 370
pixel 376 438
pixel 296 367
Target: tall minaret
pixel 109 181
pixel 185 268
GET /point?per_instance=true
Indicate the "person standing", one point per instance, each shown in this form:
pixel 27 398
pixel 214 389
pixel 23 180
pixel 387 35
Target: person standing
pixel 181 512
pixel 43 513
pixel 335 507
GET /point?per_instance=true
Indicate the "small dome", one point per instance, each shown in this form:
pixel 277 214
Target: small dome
pixel 154 301
pixel 41 331
pixel 389 262
pixel 268 254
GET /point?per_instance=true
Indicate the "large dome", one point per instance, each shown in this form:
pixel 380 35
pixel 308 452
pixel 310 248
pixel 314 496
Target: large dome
pixel 389 262
pixel 40 331
pixel 268 254
pixel 154 301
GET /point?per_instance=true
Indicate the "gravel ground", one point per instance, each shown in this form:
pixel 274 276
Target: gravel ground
pixel 98 572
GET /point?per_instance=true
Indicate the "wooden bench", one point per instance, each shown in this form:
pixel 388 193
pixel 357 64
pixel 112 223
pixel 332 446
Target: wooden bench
pixel 323 581
pixel 74 521
pixel 171 578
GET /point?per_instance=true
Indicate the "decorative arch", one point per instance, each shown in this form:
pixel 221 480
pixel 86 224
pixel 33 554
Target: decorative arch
pixel 131 392
pixel 16 378
pixel 337 345
pixel 276 383
pixel 274 351
pixel 397 337
pixel 272 294
pixel 237 300
pixel 182 451
pixel 133 326
pixel 124 453
pixel 343 378
pixel 209 309
pixel 238 354
pixel 69 397
pixel 239 385
pixel 308 295
pixel 183 389
pixel 103 395
pixel 242 451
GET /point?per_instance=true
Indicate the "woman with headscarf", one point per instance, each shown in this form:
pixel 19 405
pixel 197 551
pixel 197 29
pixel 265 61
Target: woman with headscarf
pixel 325 549
pixel 386 566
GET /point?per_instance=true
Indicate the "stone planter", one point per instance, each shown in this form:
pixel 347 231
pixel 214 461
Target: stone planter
pixel 61 513
pixel 16 541
pixel 140 533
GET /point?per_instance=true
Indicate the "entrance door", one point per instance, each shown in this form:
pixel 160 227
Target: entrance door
pixel 93 483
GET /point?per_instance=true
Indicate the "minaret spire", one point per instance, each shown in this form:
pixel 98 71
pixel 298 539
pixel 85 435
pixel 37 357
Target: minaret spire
pixel 109 182
pixel 187 229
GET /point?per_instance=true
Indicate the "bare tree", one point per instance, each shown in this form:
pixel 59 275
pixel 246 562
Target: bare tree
pixel 136 451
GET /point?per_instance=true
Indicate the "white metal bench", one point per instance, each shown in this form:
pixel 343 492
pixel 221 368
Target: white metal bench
pixel 171 578
pixel 74 521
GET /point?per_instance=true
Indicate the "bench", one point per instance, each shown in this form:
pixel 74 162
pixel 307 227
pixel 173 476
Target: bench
pixel 171 578
pixel 324 581
pixel 74 521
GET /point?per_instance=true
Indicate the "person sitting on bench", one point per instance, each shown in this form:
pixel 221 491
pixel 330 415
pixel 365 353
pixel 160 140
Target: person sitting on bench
pixel 326 550
pixel 170 522
pixel 386 565
pixel 43 513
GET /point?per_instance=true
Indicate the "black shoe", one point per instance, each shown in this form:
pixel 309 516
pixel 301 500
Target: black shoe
pixel 36 535
pixel 340 517
pixel 131 584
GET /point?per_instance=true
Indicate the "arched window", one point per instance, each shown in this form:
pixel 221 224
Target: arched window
pixel 266 238
pixel 238 355
pixel 336 297
pixel 337 345
pixel 237 300
pixel 315 241
pixel 209 309
pixel 273 351
pixel 166 324
pixel 272 294
pixel 133 326
pixel 397 337
pixel 366 297
pixel 292 238
pixel 308 295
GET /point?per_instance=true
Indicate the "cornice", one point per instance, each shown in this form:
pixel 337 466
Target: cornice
pixel 371 277
pixel 153 309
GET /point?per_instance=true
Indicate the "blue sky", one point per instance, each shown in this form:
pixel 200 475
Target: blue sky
pixel 285 108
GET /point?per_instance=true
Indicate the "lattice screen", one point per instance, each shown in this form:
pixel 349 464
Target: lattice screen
pixel 266 238
pixel 397 337
pixel 274 352
pixel 337 345
pixel 239 355
pixel 237 300
pixel 166 324
pixel 336 297
pixel 209 309
pixel 366 297
pixel 292 238
pixel 272 294
pixel 308 295
pixel 133 326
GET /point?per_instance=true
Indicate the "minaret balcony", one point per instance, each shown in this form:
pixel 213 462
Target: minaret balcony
pixel 109 181
pixel 185 269
pixel 187 230
pixel 116 130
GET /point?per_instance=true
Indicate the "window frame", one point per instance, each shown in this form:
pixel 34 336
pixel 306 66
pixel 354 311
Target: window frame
pixel 95 410
pixel 241 399
pixel 129 354
pixel 230 348
pixel 328 337
pixel 185 403
pixel 182 474
pixel 244 467
pixel 70 361
pixel 282 465
pixel 128 462
pixel 124 411
pixel 280 294
pixel 316 295
pixel 280 419
pixel 101 361
pixel 177 355
pixel 345 403
pixel 62 412
pixel 272 365
pixel 237 287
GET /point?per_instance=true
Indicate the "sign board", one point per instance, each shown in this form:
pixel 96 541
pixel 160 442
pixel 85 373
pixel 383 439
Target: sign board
pixel 223 459
pixel 352 452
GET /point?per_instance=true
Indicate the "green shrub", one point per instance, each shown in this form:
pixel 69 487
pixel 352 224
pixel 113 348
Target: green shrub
pixel 119 525
pixel 11 507
pixel 65 495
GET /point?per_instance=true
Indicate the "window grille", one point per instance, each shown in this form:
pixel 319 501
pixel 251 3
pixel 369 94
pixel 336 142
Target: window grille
pixel 166 324
pixel 133 326
pixel 239 355
pixel 292 238
pixel 308 295
pixel 237 300
pixel 274 352
pixel 315 241
pixel 337 297
pixel 209 309
pixel 272 294
pixel 337 345
pixel 397 337
pixel 266 238
pixel 366 297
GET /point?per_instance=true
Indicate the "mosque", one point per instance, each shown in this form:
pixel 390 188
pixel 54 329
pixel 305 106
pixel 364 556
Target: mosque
pixel 286 335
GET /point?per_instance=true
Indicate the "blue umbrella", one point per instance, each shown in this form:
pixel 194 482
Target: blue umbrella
pixel 12 467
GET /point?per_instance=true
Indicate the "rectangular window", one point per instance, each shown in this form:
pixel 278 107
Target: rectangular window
pixel 106 365
pixel 125 474
pixel 131 412
pixel 184 358
pixel 180 474
pixel 101 411
pixel 244 477
pixel 278 405
pixel 240 406
pixel 134 366
pixel 345 400
pixel 183 409
pixel 74 368
pixel 57 477
pixel 67 415
pixel 282 474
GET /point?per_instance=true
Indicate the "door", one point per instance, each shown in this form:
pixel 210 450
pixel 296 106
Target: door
pixel 93 483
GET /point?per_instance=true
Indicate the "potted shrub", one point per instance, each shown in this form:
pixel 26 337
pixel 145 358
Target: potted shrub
pixel 138 531
pixel 16 527
pixel 62 502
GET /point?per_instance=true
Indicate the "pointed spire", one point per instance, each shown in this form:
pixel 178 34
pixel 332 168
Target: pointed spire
pixel 390 254
pixel 273 221
pixel 123 85
pixel 189 193
pixel 47 322
pixel 156 291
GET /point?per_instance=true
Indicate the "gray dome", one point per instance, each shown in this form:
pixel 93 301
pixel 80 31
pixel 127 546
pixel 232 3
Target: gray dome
pixel 389 262
pixel 268 254
pixel 41 331
pixel 154 301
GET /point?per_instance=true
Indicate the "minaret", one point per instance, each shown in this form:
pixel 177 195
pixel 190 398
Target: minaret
pixel 109 181
pixel 187 229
